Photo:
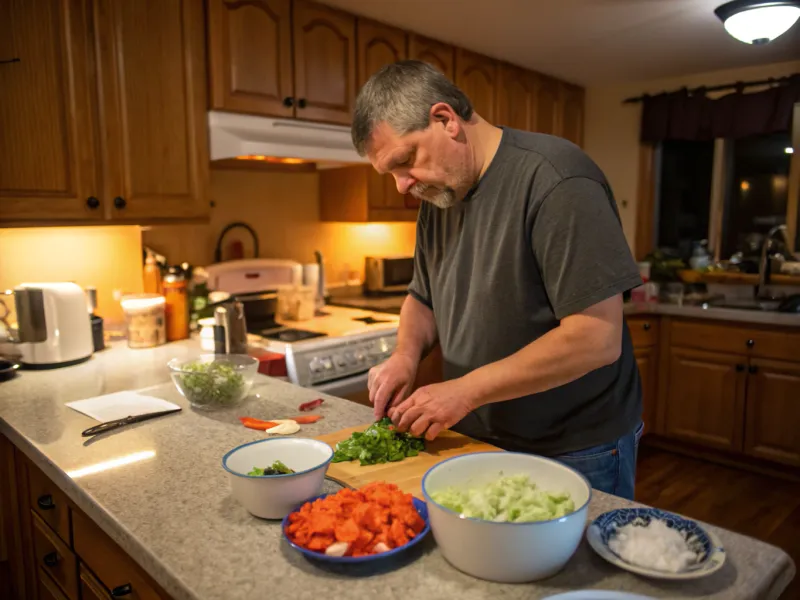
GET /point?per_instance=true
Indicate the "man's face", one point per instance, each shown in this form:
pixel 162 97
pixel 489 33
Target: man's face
pixel 432 164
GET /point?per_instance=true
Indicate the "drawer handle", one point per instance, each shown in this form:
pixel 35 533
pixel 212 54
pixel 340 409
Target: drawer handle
pixel 753 369
pixel 288 102
pixel 751 343
pixel 301 103
pixel 122 590
pixel 50 559
pixel 46 502
pixel 739 368
pixel 119 203
pixel 646 326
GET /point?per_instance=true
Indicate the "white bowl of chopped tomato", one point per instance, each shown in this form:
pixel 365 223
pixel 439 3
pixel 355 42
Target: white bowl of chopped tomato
pixel 272 493
pixel 375 522
pixel 529 510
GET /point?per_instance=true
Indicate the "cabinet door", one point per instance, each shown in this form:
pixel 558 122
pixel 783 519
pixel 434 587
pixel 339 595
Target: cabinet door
pixel 324 62
pixel 153 102
pixel 48 169
pixel 476 75
pixel 648 372
pixel 433 52
pixel 250 56
pixel 773 411
pixel 515 98
pixel 546 111
pixel 378 45
pixel 91 588
pixel 705 399
pixel 570 106
pixel 48 589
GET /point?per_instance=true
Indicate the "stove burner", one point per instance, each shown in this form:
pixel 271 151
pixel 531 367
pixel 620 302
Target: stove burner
pixel 371 320
pixel 290 335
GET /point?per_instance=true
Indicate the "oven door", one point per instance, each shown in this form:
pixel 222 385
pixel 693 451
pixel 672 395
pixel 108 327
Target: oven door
pixel 350 388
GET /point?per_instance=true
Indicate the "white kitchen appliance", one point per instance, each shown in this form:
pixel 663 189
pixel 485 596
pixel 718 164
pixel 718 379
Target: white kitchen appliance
pixel 54 327
pixel 253 275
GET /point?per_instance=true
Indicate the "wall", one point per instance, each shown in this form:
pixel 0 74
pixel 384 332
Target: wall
pixel 611 135
pixel 108 258
pixel 283 208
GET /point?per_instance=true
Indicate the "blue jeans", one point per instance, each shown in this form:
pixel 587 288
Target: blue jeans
pixel 610 468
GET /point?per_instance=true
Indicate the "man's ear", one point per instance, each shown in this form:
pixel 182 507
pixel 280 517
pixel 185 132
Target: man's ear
pixel 443 114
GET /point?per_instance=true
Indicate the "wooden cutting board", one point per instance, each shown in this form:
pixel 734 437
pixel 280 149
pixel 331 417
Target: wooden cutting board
pixel 406 474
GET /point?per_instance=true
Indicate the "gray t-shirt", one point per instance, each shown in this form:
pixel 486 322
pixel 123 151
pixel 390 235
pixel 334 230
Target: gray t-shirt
pixel 538 238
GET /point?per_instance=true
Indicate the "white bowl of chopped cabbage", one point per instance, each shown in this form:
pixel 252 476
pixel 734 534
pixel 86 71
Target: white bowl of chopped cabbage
pixel 272 477
pixel 212 381
pixel 505 516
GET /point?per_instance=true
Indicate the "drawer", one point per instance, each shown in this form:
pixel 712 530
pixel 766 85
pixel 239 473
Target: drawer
pixel 48 502
pixel 113 568
pixel 91 588
pixel 48 590
pixel 54 558
pixel 644 330
pixel 783 344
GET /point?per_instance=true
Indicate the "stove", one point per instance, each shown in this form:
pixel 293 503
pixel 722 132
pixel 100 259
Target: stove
pixel 334 353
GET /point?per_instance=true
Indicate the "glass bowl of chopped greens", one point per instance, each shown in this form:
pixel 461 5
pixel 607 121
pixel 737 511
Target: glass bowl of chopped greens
pixel 214 381
pixel 530 510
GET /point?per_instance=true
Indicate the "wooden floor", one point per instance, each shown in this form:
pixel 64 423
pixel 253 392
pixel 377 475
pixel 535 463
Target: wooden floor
pixel 756 505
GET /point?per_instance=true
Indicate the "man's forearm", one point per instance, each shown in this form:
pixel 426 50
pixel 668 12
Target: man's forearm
pixel 581 344
pixel 416 334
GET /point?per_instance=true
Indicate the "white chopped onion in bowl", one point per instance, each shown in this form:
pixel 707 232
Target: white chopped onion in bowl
pixel 653 546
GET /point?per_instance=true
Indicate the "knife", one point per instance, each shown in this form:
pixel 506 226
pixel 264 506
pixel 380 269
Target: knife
pixel 110 425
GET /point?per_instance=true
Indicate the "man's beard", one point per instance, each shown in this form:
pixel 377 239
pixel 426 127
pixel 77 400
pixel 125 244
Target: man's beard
pixel 439 197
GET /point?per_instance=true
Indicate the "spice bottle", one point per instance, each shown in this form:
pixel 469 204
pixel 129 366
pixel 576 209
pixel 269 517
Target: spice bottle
pixel 177 304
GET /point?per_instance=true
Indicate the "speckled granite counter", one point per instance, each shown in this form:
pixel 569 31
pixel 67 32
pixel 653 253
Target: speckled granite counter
pixel 174 515
pixel 755 317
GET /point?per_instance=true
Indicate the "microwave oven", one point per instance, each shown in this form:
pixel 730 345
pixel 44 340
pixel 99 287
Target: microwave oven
pixel 388 275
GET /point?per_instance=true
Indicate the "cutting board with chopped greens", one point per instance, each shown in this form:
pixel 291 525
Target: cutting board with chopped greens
pixel 407 473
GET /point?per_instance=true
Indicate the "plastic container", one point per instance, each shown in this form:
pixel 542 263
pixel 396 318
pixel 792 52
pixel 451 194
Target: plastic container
pixel 145 320
pixel 296 303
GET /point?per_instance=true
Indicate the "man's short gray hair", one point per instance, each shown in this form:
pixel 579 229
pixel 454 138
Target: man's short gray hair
pixel 401 94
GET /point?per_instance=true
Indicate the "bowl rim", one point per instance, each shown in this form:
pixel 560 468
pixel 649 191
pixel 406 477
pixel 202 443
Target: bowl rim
pixel 505 452
pixel 176 365
pixel 280 475
pixel 419 505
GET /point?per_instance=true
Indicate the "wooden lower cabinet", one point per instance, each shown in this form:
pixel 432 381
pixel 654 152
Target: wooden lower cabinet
pixel 648 373
pixel 48 589
pixel 705 398
pixel 91 588
pixel 772 411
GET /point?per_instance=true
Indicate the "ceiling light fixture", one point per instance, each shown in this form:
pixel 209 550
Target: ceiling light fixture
pixel 758 22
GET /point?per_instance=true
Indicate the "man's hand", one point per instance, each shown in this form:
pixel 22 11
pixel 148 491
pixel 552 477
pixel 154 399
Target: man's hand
pixel 433 408
pixel 390 382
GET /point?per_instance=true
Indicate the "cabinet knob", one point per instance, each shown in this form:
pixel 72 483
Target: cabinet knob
pixel 122 590
pixel 301 103
pixel 46 502
pixel 119 202
pixel 751 343
pixel 646 326
pixel 739 368
pixel 92 202
pixel 288 102
pixel 50 559
pixel 753 369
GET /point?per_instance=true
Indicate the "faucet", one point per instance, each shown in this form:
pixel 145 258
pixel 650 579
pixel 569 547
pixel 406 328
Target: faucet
pixel 763 264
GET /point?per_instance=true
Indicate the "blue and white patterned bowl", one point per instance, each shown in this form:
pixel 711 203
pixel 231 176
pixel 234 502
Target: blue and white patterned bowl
pixel 710 554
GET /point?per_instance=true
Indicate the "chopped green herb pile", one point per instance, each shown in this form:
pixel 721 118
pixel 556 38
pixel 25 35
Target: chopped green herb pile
pixel 277 468
pixel 378 443
pixel 211 383
pixel 514 499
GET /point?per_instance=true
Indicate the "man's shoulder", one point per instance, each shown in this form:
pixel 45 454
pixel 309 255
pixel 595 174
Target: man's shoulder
pixel 562 158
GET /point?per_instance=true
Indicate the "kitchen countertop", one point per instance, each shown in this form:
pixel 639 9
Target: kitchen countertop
pixel 173 512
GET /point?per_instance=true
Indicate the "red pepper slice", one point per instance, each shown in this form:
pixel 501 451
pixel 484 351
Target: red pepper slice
pixel 306 419
pixel 311 405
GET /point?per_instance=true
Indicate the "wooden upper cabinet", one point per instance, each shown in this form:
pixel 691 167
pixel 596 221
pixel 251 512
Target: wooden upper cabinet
pixel 476 75
pixel 325 63
pixel 250 56
pixel 47 113
pixel 378 45
pixel 546 112
pixel 571 98
pixel 516 97
pixel 359 194
pixel 433 52
pixel 153 102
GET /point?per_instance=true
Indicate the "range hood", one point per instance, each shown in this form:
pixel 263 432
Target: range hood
pixel 236 135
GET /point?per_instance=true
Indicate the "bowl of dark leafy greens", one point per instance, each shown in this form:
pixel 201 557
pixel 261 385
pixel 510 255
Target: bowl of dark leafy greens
pixel 212 381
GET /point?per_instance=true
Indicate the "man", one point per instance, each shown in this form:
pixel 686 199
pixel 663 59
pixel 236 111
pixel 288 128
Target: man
pixel 520 266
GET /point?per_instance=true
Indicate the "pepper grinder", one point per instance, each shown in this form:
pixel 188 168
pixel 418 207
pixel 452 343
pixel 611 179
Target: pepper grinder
pixel 230 329
pixel 96 320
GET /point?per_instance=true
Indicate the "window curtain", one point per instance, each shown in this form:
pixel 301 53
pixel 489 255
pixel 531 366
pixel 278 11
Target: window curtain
pixel 685 115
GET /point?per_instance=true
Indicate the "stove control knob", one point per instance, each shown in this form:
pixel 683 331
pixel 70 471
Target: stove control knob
pixel 315 366
pixel 350 358
pixel 340 361
pixel 360 356
pixel 327 364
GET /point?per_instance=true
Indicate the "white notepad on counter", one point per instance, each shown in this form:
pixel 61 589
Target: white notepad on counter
pixel 120 405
